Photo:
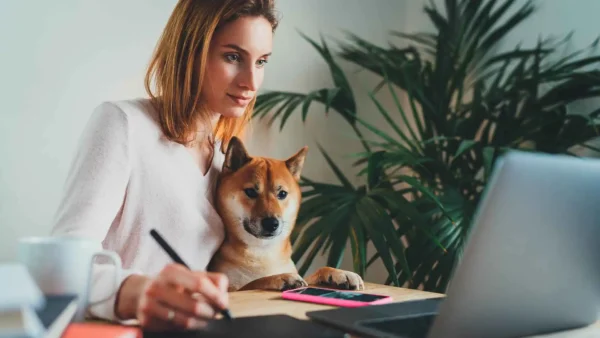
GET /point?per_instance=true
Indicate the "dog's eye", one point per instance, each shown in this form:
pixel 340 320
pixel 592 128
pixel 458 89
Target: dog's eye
pixel 250 192
pixel 282 194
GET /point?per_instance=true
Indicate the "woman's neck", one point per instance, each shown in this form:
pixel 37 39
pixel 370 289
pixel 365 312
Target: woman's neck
pixel 201 126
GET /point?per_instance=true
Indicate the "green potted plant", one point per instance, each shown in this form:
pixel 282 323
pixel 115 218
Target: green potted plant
pixel 459 104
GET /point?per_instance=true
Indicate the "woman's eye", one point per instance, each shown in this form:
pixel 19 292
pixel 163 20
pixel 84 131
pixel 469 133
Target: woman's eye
pixel 232 57
pixel 261 63
pixel 282 194
pixel 251 192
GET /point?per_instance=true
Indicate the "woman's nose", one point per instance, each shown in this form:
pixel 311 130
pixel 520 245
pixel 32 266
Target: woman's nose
pixel 249 79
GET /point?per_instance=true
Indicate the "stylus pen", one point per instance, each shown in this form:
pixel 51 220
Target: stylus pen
pixel 174 256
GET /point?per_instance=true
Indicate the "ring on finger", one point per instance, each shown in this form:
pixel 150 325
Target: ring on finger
pixel 170 315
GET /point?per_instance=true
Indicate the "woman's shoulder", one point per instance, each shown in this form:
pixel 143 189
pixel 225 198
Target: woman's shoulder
pixel 137 108
pixel 138 114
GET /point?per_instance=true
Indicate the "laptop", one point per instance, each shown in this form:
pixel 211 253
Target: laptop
pixel 531 264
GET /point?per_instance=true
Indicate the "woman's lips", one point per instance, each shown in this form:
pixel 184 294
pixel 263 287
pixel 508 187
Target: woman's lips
pixel 240 100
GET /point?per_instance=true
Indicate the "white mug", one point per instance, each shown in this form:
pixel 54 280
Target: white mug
pixel 63 265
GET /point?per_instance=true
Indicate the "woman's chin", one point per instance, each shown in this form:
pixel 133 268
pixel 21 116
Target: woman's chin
pixel 233 112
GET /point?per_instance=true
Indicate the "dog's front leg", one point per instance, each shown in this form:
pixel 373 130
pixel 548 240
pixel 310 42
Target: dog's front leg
pixel 336 278
pixel 281 282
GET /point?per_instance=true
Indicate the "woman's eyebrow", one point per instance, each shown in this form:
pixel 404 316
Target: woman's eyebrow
pixel 240 49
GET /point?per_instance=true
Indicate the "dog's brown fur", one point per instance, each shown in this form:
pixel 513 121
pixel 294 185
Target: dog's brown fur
pixel 249 258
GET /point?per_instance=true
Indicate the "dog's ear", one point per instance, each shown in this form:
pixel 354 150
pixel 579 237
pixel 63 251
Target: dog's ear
pixel 296 162
pixel 236 155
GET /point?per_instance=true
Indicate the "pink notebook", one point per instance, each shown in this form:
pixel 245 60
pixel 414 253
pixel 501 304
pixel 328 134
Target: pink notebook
pixel 97 330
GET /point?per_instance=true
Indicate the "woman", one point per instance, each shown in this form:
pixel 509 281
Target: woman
pixel 152 163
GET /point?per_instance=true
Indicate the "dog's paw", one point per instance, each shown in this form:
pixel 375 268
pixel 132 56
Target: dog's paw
pixel 336 278
pixel 281 282
pixel 289 281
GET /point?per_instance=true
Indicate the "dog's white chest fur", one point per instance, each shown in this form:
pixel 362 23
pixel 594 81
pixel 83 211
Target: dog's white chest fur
pixel 243 275
pixel 243 269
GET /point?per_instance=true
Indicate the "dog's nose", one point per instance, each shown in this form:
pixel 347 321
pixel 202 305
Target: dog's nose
pixel 270 224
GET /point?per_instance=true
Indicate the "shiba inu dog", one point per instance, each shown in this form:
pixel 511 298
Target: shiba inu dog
pixel 258 199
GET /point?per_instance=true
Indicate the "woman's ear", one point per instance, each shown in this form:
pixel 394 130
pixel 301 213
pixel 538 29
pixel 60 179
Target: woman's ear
pixel 296 162
pixel 236 156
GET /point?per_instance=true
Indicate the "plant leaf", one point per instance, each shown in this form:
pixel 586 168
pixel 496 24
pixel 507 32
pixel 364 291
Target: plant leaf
pixel 338 173
pixel 377 238
pixel 358 244
pixel 464 146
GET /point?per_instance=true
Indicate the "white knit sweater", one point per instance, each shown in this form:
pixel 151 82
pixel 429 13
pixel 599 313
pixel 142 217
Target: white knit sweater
pixel 127 178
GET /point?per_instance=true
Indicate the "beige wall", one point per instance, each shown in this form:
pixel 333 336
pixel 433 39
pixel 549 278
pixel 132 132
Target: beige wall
pixel 60 59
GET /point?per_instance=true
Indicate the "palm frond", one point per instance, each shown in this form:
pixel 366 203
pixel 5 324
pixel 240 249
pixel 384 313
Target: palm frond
pixel 459 103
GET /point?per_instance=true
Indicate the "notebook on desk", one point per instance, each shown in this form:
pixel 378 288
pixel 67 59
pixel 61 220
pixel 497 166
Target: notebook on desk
pixel 101 330
pixel 57 313
pixel 54 315
pixel 26 311
pixel 255 327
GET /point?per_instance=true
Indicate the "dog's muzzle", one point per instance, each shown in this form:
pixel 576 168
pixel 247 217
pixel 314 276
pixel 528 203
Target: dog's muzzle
pixel 269 225
pixel 267 228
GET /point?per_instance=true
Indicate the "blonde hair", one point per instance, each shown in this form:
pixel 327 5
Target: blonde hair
pixel 178 67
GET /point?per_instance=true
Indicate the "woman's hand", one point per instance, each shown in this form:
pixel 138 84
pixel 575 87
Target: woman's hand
pixel 176 298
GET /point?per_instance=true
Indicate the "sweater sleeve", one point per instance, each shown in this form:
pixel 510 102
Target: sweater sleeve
pixel 94 193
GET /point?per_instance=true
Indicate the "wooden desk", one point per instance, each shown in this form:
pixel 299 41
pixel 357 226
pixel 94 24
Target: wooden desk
pixel 253 303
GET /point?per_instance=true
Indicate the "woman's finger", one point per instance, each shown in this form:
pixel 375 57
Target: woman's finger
pixel 211 292
pixel 178 275
pixel 180 301
pixel 219 279
pixel 152 311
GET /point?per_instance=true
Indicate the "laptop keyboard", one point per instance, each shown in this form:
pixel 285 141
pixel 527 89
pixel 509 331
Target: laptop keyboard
pixel 409 327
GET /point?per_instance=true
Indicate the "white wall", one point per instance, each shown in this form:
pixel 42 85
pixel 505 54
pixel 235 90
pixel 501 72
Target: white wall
pixel 58 59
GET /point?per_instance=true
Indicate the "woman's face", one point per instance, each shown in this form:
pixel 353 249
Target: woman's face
pixel 235 68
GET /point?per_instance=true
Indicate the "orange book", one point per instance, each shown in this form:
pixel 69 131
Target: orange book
pixel 97 330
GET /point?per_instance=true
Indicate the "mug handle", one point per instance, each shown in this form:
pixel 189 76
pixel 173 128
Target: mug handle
pixel 118 271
